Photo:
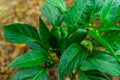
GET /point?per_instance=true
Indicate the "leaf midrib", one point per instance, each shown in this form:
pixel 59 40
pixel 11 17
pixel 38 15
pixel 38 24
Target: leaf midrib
pixel 37 74
pixel 80 13
pixel 71 60
pixel 28 37
pixel 60 7
pixel 31 38
pixel 30 61
pixel 109 9
pixel 97 60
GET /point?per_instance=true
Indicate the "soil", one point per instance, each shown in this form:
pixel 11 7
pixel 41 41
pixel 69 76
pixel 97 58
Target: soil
pixel 19 11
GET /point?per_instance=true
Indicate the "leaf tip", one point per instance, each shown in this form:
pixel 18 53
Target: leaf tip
pixel 10 65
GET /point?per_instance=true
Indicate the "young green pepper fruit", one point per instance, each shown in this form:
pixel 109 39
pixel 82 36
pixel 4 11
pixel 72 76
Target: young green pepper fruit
pixel 64 33
pixel 49 63
pixel 57 35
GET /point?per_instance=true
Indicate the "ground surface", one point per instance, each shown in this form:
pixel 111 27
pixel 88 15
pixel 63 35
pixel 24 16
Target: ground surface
pixel 14 11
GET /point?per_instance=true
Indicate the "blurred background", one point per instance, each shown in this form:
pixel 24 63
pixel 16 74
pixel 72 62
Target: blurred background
pixel 19 11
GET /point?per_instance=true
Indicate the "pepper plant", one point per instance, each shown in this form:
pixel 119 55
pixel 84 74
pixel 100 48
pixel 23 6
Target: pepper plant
pixel 74 44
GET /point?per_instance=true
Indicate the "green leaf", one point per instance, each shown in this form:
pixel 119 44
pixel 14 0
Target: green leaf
pixel 114 41
pixel 113 38
pixel 102 61
pixel 71 59
pixel 30 59
pixel 109 27
pixel 83 76
pixel 34 45
pixel 57 3
pixel 79 14
pixel 95 13
pixel 101 41
pixel 93 75
pixel 33 73
pixel 20 33
pixel 109 12
pixel 77 36
pixel 111 30
pixel 44 32
pixel 118 54
pixel 74 77
pixel 53 15
pixel 119 13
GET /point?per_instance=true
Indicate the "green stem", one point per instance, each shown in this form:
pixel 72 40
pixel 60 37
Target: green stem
pixel 74 77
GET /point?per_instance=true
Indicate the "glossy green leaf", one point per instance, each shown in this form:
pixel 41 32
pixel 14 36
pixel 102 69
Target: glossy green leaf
pixel 79 14
pixel 113 38
pixel 109 12
pixel 77 36
pixel 44 32
pixel 33 73
pixel 83 76
pixel 96 11
pixel 20 33
pixel 102 61
pixel 118 54
pixel 30 59
pixel 109 27
pixel 34 45
pixel 101 41
pixel 93 75
pixel 71 59
pixel 113 31
pixel 53 15
pixel 57 3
